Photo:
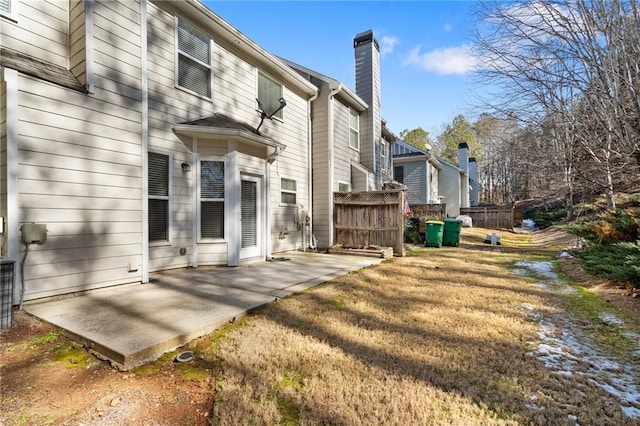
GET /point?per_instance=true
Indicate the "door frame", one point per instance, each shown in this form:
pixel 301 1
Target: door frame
pixel 257 250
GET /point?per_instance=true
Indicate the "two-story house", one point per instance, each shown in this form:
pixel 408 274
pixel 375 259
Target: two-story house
pixel 432 180
pixel 351 143
pixel 144 135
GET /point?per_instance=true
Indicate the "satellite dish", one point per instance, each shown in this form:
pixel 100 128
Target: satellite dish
pixel 264 112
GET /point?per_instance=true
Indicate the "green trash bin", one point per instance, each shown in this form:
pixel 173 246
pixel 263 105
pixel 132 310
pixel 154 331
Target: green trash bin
pixel 433 230
pixel 451 234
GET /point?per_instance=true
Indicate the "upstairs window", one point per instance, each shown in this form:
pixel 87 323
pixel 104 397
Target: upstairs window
pixel 269 94
pixel 398 173
pixel 158 197
pixel 354 129
pixel 9 9
pixel 288 191
pixel 194 60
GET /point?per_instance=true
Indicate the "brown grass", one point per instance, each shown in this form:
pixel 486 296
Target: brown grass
pixel 438 338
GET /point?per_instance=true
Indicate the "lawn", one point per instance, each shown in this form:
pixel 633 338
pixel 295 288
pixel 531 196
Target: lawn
pixel 467 335
pixel 444 336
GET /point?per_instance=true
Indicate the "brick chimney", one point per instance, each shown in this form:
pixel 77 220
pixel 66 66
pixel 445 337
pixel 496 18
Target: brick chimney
pixel 367 68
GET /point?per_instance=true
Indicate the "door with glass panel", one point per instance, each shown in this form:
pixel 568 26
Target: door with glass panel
pixel 251 216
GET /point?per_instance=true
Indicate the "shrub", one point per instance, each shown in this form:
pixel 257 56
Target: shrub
pixel 609 228
pixel 618 262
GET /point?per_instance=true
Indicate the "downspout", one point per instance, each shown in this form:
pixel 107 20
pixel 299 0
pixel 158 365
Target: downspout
pixel 310 169
pixel 10 77
pixel 331 98
pixel 271 158
pixel 144 113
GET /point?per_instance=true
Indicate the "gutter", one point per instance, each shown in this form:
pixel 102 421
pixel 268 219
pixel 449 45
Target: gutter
pixel 218 27
pixel 310 168
pixel 331 98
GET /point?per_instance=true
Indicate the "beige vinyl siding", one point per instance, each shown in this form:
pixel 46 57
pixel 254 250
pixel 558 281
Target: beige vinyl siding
pixel 415 178
pixel 343 154
pixel 291 164
pixel 168 106
pixel 41 30
pixel 321 182
pixel 449 187
pixel 3 161
pixel 77 40
pixel 80 174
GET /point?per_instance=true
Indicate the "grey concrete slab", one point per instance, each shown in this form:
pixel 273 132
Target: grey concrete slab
pixel 133 324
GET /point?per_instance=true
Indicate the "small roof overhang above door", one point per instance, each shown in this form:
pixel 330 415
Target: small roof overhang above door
pixel 221 126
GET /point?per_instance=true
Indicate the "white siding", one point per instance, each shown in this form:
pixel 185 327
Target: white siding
pixel 41 30
pixel 80 174
pixel 449 186
pixel 415 177
pixel 3 161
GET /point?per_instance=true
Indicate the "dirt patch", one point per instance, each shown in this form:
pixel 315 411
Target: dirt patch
pixel 47 379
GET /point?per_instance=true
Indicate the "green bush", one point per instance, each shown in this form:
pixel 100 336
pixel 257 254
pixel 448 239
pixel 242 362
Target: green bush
pixel 609 228
pixel 546 218
pixel 618 262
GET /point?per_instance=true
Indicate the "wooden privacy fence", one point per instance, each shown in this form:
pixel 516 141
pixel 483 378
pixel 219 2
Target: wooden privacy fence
pixel 429 211
pixel 490 217
pixel 371 218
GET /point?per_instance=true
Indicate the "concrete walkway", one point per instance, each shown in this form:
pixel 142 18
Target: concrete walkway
pixel 136 323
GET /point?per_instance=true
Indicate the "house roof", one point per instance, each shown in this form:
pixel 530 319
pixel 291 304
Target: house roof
pixel 40 69
pixel 387 134
pixel 222 125
pixel 354 100
pixel 236 40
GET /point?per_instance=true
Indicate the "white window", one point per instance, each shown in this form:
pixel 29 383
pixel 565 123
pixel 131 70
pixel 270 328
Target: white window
pixel 269 94
pixel 159 196
pixel 211 200
pixel 194 59
pixel 354 129
pixel 384 155
pixel 9 9
pixel 288 191
pixel 343 187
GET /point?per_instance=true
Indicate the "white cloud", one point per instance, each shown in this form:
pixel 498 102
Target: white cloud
pixel 443 61
pixel 387 45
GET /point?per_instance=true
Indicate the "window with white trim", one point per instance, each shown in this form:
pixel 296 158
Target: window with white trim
pixel 194 59
pixel 269 94
pixel 354 129
pixel 211 200
pixel 9 9
pixel 159 197
pixel 288 191
pixel 384 155
pixel 343 187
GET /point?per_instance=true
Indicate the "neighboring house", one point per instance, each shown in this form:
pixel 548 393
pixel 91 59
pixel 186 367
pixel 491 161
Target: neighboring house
pixel 432 180
pixel 129 130
pixel 418 170
pixel 351 143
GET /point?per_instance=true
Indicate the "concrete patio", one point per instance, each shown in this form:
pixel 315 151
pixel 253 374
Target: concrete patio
pixel 136 323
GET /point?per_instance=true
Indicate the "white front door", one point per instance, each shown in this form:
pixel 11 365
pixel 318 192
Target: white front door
pixel 251 216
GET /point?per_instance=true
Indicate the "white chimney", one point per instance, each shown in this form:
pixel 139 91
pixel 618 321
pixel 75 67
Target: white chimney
pixel 463 157
pixel 472 168
pixel 463 164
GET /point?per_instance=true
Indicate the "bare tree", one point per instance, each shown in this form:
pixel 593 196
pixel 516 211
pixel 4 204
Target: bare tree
pixel 569 69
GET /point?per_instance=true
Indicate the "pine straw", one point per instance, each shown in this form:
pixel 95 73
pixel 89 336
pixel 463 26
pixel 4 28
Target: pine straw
pixel 439 339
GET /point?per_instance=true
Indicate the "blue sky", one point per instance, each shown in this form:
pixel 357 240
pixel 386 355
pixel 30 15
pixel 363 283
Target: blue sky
pixel 424 44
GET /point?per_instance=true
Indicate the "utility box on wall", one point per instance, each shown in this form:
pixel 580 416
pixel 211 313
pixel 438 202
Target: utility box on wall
pixel 34 233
